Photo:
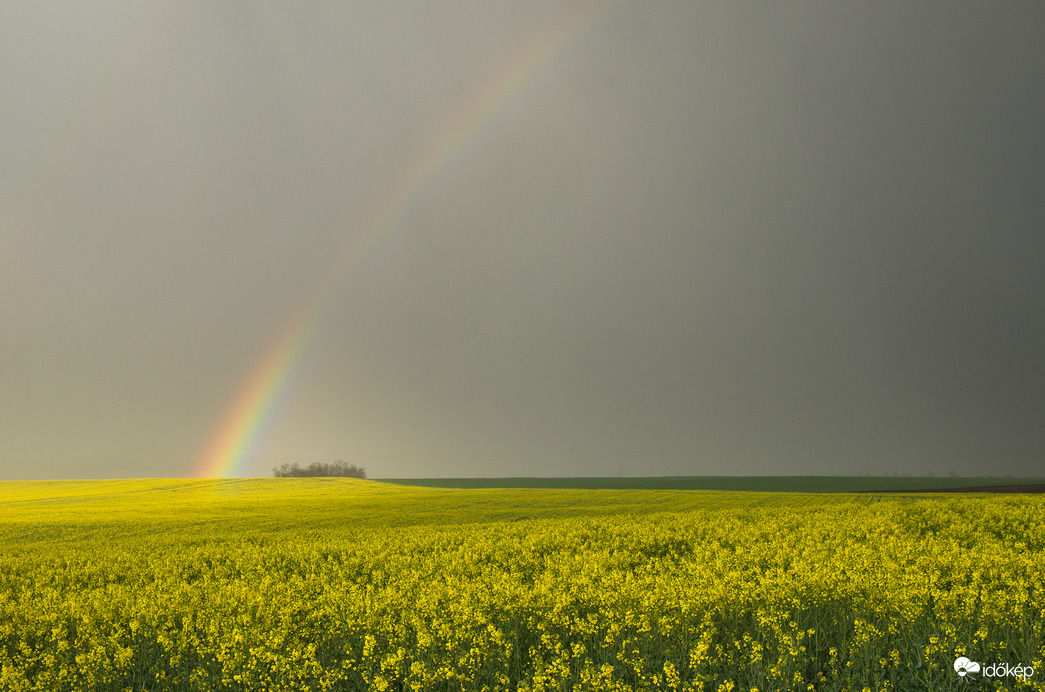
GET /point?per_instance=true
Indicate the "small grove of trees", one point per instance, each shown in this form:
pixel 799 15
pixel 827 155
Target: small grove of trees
pixel 338 469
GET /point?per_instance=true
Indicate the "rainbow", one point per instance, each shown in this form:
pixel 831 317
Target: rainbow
pixel 237 437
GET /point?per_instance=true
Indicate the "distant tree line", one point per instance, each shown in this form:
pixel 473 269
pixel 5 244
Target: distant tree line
pixel 338 469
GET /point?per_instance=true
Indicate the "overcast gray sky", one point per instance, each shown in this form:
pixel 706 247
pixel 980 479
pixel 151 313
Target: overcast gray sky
pixel 698 238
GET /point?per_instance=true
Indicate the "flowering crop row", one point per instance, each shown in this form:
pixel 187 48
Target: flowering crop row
pixel 822 593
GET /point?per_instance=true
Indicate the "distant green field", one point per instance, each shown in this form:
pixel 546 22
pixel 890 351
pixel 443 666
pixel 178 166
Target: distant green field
pixel 37 513
pixel 785 484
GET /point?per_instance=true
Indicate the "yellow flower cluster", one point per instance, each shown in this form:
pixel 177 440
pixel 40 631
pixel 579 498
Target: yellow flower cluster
pixel 729 592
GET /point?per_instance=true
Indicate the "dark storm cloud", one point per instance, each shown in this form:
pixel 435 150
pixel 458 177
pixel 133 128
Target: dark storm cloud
pixel 707 238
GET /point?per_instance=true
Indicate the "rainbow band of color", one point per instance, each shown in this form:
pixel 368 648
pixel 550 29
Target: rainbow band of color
pixel 238 436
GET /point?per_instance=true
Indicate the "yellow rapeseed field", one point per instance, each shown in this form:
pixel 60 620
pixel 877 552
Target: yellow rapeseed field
pixel 338 584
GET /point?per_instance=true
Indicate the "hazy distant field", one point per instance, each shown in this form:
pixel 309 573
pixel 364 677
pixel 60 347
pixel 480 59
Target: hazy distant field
pixel 290 584
pixel 787 484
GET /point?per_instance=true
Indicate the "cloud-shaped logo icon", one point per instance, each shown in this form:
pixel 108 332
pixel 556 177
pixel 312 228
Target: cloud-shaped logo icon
pixel 963 665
